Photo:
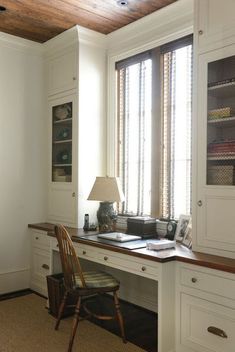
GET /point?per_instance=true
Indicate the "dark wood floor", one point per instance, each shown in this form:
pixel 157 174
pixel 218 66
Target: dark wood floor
pixel 140 323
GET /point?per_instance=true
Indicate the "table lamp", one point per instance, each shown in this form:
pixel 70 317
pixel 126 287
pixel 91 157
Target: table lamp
pixel 107 190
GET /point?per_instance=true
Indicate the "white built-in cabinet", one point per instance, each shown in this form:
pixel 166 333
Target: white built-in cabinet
pixel 214 23
pixel 214 128
pixel 205 309
pixel 76 88
pixel 40 261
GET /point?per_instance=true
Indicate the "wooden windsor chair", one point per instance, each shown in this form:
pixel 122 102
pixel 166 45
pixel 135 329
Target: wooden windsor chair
pixel 83 284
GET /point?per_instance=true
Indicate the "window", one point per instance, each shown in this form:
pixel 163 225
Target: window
pixel 140 124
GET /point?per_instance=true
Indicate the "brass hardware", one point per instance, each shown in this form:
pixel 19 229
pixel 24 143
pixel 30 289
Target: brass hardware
pixel 74 78
pixel 73 194
pixel 45 266
pixel 217 331
pixel 194 279
pixel 200 32
pixel 143 268
pixel 199 203
pixel 37 238
pixel 105 258
pixel 57 245
pixel 84 252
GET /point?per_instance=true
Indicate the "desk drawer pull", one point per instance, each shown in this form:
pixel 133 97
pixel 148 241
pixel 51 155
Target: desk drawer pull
pixel 194 279
pixel 143 268
pixel 106 258
pixel 36 238
pixel 84 252
pixel 217 331
pixel 45 266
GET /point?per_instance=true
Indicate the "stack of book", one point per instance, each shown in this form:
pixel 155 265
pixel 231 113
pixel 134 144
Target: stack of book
pixel 221 147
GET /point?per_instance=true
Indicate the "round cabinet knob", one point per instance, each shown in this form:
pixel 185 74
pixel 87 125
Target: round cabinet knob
pixel 73 194
pixel 143 268
pixel 83 252
pixel 199 203
pixel 105 258
pixel 74 78
pixel 37 238
pixel 200 32
pixel 194 279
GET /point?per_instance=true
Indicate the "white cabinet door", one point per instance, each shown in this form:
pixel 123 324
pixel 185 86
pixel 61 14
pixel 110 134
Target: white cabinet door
pixel 206 326
pixel 215 23
pixel 62 72
pixel 215 196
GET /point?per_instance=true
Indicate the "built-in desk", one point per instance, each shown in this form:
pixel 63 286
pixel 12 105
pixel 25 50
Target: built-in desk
pixel 158 266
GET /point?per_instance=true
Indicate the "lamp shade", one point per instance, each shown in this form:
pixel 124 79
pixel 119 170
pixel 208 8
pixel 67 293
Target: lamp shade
pixel 107 189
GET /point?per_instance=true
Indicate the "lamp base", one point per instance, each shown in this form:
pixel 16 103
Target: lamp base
pixel 106 217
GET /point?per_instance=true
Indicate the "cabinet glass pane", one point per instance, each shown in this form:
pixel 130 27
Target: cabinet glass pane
pixel 62 143
pixel 221 122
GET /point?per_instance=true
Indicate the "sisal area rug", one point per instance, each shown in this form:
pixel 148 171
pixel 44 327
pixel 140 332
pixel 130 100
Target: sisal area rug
pixel 26 326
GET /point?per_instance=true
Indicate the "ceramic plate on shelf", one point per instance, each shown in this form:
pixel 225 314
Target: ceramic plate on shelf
pixel 62 112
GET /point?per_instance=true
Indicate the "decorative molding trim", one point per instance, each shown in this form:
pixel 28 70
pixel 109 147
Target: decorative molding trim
pixel 87 36
pixel 61 42
pixel 14 280
pixel 20 44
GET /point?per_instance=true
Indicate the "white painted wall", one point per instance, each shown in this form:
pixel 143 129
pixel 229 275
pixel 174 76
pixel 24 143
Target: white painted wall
pixel 23 138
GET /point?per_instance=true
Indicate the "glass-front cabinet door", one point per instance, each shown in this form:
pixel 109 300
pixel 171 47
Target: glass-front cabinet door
pixel 62 117
pixel 214 176
pixel 221 122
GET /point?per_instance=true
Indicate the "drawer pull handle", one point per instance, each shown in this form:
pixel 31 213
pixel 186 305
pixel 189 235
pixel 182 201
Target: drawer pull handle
pixel 105 258
pixel 143 268
pixel 199 203
pixel 200 32
pixel 217 331
pixel 83 252
pixel 45 266
pixel 194 279
pixel 57 245
pixel 37 238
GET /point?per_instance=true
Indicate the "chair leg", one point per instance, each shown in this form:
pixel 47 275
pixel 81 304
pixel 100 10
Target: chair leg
pixel 119 316
pixel 75 324
pixel 61 310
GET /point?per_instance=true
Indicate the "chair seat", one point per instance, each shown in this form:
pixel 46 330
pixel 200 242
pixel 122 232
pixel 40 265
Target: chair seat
pixel 97 279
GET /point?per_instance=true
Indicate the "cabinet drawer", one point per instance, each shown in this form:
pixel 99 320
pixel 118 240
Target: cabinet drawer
pixel 138 266
pixel 206 326
pixel 207 282
pixel 41 240
pixel 41 264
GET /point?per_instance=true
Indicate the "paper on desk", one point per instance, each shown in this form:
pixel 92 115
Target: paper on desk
pixel 160 244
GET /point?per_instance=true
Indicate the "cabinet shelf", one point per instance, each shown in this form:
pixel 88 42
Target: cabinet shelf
pixel 62 121
pixel 225 90
pixel 60 164
pixel 222 122
pixel 221 157
pixel 62 141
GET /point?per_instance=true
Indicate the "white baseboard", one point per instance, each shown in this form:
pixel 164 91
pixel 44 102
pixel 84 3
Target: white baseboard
pixel 14 280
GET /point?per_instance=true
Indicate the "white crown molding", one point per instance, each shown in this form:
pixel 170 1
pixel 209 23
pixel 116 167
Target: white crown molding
pixel 61 42
pixel 154 29
pixel 20 44
pixel 90 37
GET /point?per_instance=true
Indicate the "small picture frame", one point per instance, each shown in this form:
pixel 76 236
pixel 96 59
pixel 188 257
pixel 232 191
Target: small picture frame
pixel 182 227
pixel 187 240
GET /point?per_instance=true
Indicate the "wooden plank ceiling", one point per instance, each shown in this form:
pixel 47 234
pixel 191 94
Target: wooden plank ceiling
pixel 40 20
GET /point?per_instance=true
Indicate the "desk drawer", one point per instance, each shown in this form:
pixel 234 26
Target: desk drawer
pixel 40 240
pixel 206 326
pixel 137 266
pixel 214 284
pixel 41 264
